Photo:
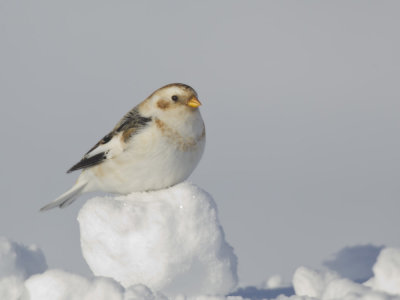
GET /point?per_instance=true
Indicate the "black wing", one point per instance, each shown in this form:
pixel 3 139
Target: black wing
pixel 88 162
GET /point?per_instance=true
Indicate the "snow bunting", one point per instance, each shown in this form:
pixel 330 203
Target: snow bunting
pixel 155 145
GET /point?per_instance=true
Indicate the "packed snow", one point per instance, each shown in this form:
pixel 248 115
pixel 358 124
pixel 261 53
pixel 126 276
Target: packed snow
pixel 169 244
pixel 170 240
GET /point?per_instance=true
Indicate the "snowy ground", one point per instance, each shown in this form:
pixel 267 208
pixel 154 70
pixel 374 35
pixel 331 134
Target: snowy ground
pixel 169 245
pixel 23 277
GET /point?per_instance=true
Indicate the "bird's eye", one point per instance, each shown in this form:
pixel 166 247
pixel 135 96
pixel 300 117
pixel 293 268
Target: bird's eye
pixel 174 97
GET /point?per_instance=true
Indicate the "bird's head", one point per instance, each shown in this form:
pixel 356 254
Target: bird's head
pixel 172 99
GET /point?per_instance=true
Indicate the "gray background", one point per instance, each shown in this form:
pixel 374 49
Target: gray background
pixel 301 104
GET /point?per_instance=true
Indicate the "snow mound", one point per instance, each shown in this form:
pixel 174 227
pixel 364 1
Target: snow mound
pixel 312 283
pixel 169 240
pixel 385 285
pixel 18 281
pixel 387 272
pixel 12 288
pixel 274 282
pixel 57 284
pixel 19 260
pixel 327 286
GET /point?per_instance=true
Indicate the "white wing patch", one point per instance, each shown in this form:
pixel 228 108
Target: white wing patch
pixel 111 149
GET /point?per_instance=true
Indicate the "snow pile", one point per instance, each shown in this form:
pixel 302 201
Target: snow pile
pixel 312 283
pixel 19 279
pixel 387 272
pixel 57 284
pixel 12 288
pixel 274 282
pixel 60 285
pixel 169 240
pixel 18 262
pixel 328 285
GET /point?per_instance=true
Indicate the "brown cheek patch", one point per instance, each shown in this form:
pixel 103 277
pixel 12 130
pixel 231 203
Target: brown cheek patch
pixel 160 125
pixel 163 104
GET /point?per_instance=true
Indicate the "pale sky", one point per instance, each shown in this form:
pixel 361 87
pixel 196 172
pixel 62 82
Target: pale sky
pixel 301 101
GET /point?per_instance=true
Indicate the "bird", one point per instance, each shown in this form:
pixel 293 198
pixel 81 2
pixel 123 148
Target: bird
pixel 156 145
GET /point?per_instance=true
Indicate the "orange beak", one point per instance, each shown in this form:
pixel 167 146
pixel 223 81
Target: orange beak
pixel 193 102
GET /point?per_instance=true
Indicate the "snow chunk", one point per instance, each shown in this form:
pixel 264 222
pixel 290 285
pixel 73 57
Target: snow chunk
pixel 327 285
pixel 12 288
pixel 311 283
pixel 169 240
pixel 274 282
pixel 387 272
pixel 342 288
pixel 19 260
pixel 57 284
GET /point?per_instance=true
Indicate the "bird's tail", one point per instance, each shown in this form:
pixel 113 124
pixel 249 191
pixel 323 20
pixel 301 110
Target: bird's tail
pixel 67 198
